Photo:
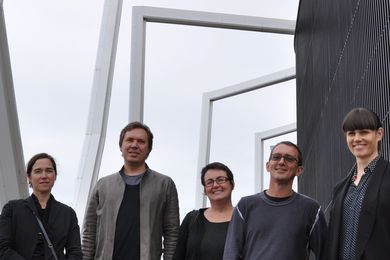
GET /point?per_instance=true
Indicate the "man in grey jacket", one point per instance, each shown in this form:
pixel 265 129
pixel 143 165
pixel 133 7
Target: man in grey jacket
pixel 132 211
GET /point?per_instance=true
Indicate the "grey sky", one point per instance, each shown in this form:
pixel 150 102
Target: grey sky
pixel 53 48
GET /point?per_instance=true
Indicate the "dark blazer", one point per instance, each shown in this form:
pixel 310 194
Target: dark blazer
pixel 19 231
pixel 373 238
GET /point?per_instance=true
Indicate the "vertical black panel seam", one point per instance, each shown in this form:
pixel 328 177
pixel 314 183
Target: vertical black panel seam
pixel 371 58
pixel 345 43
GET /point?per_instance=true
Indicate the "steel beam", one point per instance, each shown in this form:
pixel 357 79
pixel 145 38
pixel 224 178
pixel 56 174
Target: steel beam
pixel 99 105
pixel 142 14
pixel 13 181
pixel 259 150
pixel 206 117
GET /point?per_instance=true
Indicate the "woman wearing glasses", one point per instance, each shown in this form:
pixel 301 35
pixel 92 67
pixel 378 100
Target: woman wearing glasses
pixel 24 222
pixel 202 233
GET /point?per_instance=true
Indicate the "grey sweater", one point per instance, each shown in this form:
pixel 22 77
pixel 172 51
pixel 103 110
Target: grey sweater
pixel 264 229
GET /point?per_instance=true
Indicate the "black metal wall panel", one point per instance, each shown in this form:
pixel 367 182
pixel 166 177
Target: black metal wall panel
pixel 342 62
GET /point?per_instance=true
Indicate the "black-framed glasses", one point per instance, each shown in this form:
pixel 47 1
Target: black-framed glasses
pixel 219 180
pixel 287 158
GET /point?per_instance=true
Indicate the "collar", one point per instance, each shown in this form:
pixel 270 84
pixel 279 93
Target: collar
pixel 38 205
pixel 367 171
pixel 122 170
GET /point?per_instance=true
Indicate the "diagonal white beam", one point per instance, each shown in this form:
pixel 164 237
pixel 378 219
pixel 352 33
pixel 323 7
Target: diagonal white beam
pixel 260 82
pixel 13 182
pixel 99 105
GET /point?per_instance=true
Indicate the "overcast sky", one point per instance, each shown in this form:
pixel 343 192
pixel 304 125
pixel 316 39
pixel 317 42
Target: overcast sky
pixel 53 46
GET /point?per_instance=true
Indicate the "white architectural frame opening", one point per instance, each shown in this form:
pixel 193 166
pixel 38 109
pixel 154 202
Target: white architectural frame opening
pixel 260 138
pixel 102 84
pixel 89 165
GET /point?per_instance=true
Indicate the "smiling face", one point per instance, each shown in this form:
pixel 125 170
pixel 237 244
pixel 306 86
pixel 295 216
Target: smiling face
pixel 134 147
pixel 363 144
pixel 217 185
pixel 283 170
pixel 42 176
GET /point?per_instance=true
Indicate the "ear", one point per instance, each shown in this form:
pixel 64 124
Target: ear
pixel 379 133
pixel 29 181
pixel 299 171
pixel 267 167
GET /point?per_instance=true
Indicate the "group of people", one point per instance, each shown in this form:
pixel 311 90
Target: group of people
pixel 134 213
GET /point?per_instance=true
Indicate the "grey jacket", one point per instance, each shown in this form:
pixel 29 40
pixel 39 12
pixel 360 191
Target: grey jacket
pixel 159 217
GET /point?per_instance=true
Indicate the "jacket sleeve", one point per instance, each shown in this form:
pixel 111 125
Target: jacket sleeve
pixel 171 221
pixel 235 238
pixel 318 235
pixel 89 227
pixel 6 252
pixel 73 245
pixel 181 248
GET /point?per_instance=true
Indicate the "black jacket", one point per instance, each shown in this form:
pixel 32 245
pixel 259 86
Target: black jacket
pixel 373 238
pixel 192 224
pixel 19 231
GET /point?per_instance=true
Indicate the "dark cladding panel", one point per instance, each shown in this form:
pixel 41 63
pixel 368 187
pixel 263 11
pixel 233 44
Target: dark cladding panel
pixel 342 62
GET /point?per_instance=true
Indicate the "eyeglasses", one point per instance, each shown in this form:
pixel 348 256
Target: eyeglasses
pixel 287 158
pixel 219 180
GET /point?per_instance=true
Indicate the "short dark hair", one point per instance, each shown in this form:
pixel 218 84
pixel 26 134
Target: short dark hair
pixel 38 156
pixel 135 125
pixel 361 118
pixel 216 166
pixel 288 143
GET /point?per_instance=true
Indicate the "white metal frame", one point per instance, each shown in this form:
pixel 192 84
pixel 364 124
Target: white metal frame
pixel 13 181
pixel 140 16
pixel 259 150
pixel 99 105
pixel 10 141
pixel 207 109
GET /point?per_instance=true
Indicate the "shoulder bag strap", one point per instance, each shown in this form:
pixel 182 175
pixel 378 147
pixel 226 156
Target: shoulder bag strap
pixel 49 244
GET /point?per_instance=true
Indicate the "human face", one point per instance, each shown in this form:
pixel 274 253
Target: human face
pixel 134 147
pixel 42 176
pixel 363 144
pixel 217 191
pixel 282 171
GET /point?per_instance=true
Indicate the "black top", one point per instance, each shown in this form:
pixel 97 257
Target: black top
pixel 200 239
pixel 43 214
pixel 213 242
pixel 127 231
